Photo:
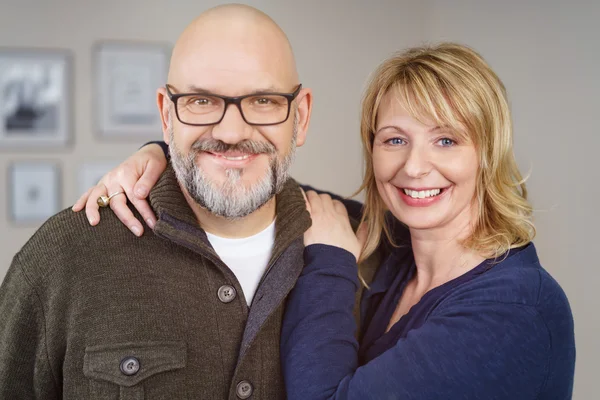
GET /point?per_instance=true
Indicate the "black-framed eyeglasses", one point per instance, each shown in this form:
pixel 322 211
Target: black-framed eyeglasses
pixel 202 109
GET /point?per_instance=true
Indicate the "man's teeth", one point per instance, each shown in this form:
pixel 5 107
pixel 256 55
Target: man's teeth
pixel 238 158
pixel 421 194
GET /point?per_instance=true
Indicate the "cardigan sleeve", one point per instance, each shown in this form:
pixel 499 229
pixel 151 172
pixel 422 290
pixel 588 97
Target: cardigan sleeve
pixel 24 365
pixel 466 349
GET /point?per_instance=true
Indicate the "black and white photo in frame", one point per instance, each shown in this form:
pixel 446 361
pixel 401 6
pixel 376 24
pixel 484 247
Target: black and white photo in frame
pixel 127 75
pixel 35 98
pixel 34 189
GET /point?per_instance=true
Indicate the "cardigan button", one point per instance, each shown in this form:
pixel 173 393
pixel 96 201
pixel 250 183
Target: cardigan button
pixel 130 366
pixel 244 390
pixel 226 293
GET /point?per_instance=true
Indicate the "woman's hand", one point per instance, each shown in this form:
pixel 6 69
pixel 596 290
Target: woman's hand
pixel 135 177
pixel 330 224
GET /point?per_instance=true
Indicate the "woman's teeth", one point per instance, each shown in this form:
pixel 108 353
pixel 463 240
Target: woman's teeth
pixel 421 194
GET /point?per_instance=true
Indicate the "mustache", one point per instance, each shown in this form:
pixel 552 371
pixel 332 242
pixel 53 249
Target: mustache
pixel 245 146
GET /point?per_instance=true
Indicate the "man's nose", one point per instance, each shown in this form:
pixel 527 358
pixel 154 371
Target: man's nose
pixel 232 128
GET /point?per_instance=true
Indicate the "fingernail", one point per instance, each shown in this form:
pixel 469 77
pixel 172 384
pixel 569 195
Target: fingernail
pixel 141 192
pixel 92 220
pixel 150 223
pixel 136 231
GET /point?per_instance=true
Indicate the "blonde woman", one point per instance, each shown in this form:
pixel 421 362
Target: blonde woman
pixel 460 307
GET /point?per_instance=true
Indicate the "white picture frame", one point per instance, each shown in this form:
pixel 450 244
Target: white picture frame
pixel 35 98
pixel 127 75
pixel 35 191
pixel 91 172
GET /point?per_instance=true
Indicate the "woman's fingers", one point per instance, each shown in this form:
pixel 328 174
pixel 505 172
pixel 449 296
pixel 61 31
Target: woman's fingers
pixel 80 203
pixel 91 205
pixel 118 204
pixel 330 224
pixel 340 208
pixel 314 201
pixel 135 177
pixel 151 173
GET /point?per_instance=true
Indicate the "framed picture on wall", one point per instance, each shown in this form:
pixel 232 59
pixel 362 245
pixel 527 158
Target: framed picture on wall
pixel 91 172
pixel 35 98
pixel 126 78
pixel 34 190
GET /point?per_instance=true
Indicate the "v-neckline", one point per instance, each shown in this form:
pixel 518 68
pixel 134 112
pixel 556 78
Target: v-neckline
pixel 468 275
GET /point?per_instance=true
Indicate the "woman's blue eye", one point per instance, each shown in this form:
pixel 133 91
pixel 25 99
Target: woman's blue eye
pixel 447 142
pixel 395 141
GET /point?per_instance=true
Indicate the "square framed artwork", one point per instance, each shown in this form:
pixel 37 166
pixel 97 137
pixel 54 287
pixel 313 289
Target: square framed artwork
pixel 127 75
pixel 35 191
pixel 35 98
pixel 91 172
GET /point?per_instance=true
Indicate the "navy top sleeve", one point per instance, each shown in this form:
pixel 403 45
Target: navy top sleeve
pixel 163 146
pixel 483 340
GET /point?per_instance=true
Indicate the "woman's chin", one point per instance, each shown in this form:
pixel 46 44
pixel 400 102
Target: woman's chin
pixel 419 221
pixel 422 226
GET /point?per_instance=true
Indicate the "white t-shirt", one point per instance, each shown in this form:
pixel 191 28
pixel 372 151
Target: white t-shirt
pixel 247 258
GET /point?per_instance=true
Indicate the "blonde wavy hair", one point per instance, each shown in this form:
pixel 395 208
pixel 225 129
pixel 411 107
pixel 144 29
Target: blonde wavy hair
pixel 452 86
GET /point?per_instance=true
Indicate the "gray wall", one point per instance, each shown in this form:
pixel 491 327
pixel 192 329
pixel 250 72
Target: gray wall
pixel 545 51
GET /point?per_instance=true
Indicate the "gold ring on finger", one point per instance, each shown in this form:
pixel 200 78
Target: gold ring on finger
pixel 104 201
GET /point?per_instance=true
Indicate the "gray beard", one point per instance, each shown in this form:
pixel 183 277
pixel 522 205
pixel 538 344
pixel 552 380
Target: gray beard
pixel 231 199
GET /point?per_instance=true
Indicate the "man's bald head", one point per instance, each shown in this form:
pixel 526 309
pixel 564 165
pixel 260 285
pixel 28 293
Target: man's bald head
pixel 233 48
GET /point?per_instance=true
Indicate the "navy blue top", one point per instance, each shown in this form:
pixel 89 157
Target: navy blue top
pixel 375 340
pixel 503 330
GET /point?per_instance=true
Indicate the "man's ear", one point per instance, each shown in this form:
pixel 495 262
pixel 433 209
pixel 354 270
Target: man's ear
pixel 162 101
pixel 304 110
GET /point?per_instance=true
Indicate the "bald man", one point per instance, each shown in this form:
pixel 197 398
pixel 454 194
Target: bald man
pixel 193 308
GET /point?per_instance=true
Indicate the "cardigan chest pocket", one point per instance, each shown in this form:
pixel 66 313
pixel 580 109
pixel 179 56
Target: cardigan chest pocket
pixel 122 371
